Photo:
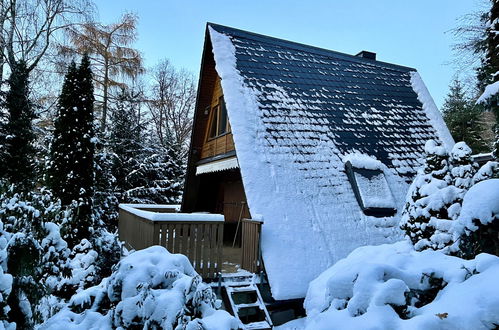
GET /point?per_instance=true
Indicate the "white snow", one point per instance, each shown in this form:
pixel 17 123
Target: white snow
pixel 490 90
pixel 361 291
pixel 159 216
pixel 367 162
pixel 480 203
pixel 374 191
pixel 310 213
pixel 151 287
pixel 431 110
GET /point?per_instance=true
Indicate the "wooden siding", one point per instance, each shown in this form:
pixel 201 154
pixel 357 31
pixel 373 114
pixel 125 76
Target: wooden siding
pixel 221 144
pixel 200 241
pixel 251 230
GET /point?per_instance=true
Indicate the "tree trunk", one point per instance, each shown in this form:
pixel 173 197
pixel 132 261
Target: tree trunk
pixel 105 96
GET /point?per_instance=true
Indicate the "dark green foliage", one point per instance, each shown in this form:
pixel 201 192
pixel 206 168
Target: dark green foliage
pixel 19 136
pixel 487 73
pixel 483 240
pixel 105 199
pixel 157 178
pixel 71 170
pixel 463 118
pixel 417 298
pixel 24 258
pixel 127 137
pixel 416 217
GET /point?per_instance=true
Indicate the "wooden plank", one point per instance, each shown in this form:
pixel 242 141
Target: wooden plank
pixel 176 238
pixel 206 239
pixel 199 237
pixel 185 239
pixel 155 233
pixel 220 238
pixel 170 238
pixel 212 250
pixel 192 243
pixel 164 232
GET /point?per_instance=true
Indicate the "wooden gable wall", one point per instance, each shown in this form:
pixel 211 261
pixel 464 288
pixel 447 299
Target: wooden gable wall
pixel 219 145
pixel 209 91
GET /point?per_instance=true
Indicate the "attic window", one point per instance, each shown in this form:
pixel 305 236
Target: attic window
pixel 371 190
pixel 219 124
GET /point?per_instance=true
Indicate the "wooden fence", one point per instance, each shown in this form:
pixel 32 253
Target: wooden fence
pixel 251 231
pixel 200 241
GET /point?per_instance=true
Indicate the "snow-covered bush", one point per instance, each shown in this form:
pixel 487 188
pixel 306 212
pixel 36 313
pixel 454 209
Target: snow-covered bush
pixel 150 289
pixel 489 170
pixel 55 255
pixel 5 281
pixel 426 215
pixel 477 229
pixel 435 197
pixel 395 287
pixel 33 252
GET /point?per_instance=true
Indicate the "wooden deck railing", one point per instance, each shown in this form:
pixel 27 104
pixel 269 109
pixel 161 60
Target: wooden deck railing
pixel 200 240
pixel 251 231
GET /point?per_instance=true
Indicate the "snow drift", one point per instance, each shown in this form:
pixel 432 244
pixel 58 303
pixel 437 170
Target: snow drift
pixel 392 286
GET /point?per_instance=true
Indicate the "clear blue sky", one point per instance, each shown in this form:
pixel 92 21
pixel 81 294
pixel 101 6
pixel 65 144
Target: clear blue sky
pixel 412 33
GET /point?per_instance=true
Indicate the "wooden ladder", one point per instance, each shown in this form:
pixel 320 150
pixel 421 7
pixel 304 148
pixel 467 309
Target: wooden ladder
pixel 247 304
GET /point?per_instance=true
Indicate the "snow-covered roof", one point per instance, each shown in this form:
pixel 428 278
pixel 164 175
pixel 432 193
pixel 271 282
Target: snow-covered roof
pixel 295 112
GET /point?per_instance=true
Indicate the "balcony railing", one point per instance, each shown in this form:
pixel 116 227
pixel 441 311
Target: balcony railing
pixel 199 236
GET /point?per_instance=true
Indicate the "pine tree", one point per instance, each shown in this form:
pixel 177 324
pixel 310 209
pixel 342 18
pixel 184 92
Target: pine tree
pixel 463 118
pixel 127 136
pixel 462 166
pixel 158 179
pixel 19 149
pixel 488 72
pixel 71 172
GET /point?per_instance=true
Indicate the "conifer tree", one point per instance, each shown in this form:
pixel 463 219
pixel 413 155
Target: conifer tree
pixel 71 172
pixel 488 72
pixel 463 118
pixel 158 178
pixel 127 137
pixel 462 167
pixel 418 213
pixel 19 149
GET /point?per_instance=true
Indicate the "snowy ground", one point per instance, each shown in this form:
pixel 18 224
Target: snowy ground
pixel 394 287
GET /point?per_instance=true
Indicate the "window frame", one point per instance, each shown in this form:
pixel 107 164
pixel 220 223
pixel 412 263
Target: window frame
pixel 378 212
pixel 215 113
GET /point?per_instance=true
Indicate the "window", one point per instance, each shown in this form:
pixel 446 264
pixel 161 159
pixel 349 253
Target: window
pixel 371 190
pixel 219 123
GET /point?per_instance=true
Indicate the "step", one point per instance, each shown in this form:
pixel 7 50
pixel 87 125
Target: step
pixel 246 288
pixel 251 307
pixel 258 325
pixel 240 306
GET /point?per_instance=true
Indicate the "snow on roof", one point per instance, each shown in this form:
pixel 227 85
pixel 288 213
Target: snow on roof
pixel 295 112
pixel 140 211
pixel 431 110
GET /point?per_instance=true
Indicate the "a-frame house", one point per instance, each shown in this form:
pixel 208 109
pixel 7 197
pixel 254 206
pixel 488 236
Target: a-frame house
pixel 321 146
